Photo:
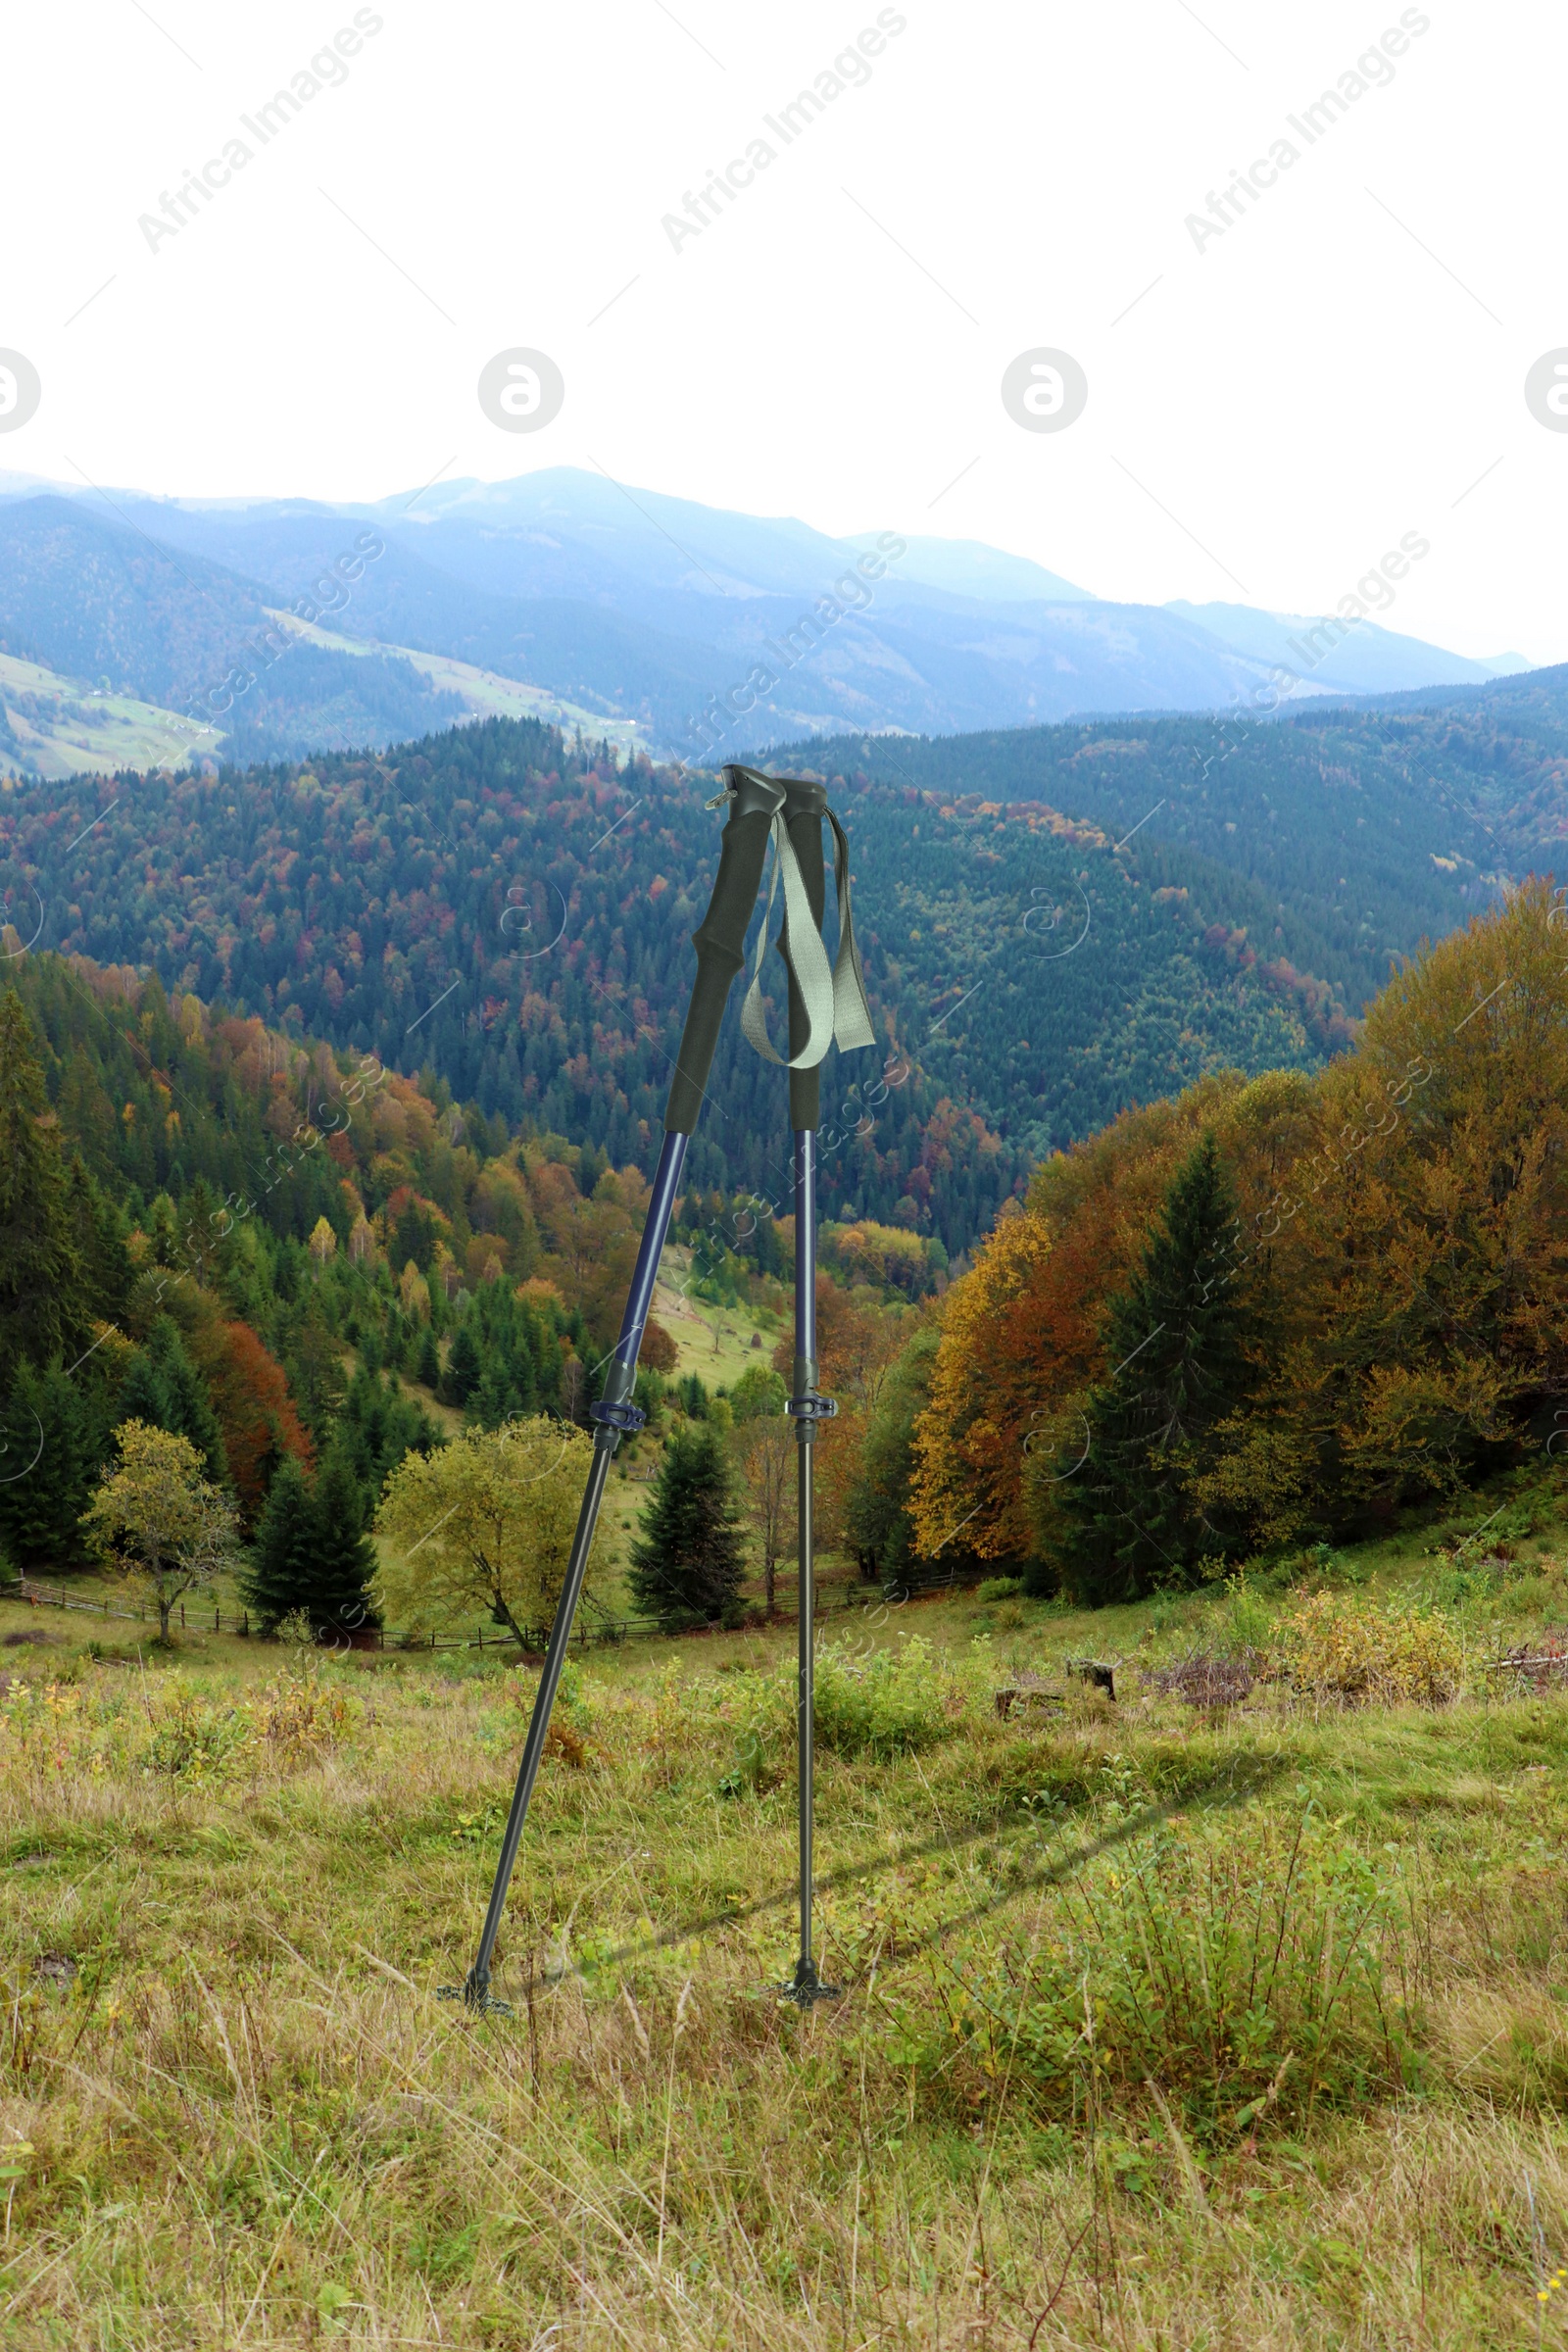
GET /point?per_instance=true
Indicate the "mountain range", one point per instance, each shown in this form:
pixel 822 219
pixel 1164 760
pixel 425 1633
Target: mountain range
pixel 277 627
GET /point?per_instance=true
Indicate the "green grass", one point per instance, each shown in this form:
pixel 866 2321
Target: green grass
pixel 1158 2026
pixel 70 729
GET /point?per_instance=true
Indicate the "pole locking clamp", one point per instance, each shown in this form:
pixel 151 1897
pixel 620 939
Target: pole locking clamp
pixel 617 1415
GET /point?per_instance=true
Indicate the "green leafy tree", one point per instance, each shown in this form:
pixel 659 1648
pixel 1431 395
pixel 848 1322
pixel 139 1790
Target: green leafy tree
pixel 485 1525
pixel 41 1273
pixel 157 1518
pixel 1177 1341
pixel 758 1390
pixel 877 1517
pixel 689 1562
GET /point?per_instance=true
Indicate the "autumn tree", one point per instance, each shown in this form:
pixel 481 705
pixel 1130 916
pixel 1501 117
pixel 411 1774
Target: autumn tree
pixel 157 1518
pixel 253 1409
pixel 659 1351
pixel 483 1525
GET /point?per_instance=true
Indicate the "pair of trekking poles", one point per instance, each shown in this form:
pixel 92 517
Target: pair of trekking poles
pixel 826 1002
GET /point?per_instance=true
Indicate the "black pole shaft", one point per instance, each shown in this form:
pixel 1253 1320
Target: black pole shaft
pixel 613 1415
pixel 478 1984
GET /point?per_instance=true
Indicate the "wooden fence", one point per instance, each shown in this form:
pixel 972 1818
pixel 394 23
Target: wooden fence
pixel 604 1632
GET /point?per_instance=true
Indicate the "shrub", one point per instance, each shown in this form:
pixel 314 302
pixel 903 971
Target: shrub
pixel 999 1588
pixel 195 1739
pixel 884 1703
pixel 299 1716
pixel 1338 1648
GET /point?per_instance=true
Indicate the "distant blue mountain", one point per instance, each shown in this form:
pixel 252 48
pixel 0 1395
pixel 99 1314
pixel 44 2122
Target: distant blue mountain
pixel 717 632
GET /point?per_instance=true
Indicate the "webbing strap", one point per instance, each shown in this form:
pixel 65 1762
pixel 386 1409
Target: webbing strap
pixel 833 995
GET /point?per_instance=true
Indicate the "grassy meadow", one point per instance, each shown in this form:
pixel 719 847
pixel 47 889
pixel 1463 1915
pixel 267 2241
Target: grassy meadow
pixel 1162 2023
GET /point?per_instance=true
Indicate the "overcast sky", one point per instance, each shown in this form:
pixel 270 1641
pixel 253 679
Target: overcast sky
pixel 1273 401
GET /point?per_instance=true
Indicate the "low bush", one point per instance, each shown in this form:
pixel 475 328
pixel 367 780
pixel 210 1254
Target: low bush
pixel 884 1703
pixel 1337 1646
pixel 998 1588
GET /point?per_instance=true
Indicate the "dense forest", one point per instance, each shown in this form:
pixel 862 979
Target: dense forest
pixel 515 913
pixel 1336 837
pixel 1262 1313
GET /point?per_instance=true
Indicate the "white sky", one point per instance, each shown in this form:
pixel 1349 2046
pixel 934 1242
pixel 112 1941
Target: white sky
pixel 1338 369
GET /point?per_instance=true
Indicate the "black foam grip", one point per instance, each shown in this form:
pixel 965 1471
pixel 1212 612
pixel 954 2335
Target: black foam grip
pixel 720 943
pixel 805 1086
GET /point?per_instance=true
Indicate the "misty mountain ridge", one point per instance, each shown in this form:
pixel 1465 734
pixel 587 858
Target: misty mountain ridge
pixel 699 632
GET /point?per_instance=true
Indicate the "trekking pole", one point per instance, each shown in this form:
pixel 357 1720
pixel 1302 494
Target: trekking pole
pixel 807 1406
pixel 832 1001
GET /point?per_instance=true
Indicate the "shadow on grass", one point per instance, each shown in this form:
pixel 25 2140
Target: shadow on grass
pixel 1231 1787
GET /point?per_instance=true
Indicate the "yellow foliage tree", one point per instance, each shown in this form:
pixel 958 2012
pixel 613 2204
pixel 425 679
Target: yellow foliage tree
pixel 483 1525
pixel 157 1517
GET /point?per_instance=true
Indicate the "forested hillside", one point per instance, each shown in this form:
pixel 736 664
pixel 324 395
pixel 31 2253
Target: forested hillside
pixel 281 1253
pixel 1265 1314
pixel 1336 838
pixel 515 915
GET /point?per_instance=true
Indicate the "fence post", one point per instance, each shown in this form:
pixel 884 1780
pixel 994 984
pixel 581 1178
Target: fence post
pixel 183 1616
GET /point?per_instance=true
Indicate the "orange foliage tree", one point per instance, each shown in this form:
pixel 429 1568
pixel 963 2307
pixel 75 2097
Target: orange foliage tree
pixel 254 1408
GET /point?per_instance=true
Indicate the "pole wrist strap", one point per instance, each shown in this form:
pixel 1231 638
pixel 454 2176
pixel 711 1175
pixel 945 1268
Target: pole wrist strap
pixel 833 995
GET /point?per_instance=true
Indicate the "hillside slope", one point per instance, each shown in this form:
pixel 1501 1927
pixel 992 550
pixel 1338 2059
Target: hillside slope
pixel 516 915
pixel 1336 838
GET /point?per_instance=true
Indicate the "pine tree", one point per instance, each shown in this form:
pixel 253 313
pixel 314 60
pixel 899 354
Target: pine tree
pixel 277 1578
pixel 465 1367
pixel 427 1369
pixel 1177 1342
pixel 98 1229
pixel 40 1272
pixel 689 1561
pixel 48 1461
pixel 342 1559
pixel 163 1387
